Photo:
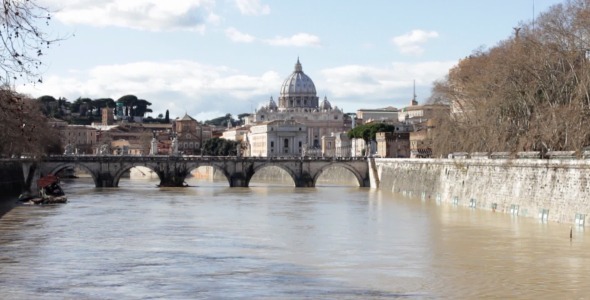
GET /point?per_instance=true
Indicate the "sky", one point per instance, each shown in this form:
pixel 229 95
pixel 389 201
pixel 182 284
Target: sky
pixel 208 58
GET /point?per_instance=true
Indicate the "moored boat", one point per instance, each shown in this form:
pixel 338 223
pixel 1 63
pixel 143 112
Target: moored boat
pixel 50 192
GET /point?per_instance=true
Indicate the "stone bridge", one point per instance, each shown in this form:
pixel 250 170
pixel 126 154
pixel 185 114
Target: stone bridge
pixel 106 171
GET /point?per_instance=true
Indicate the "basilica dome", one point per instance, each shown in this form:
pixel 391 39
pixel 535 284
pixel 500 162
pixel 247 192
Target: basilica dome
pixel 325 105
pixel 298 91
pixel 298 83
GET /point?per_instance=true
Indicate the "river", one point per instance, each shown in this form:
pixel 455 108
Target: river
pixel 273 241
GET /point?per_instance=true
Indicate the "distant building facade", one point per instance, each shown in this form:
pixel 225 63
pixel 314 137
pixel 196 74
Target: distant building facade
pixel 82 138
pixel 421 113
pixel 276 138
pixel 386 114
pixel 237 134
pixel 191 135
pixel 393 144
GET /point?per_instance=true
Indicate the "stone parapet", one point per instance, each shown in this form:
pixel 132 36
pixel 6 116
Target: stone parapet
pixel 549 189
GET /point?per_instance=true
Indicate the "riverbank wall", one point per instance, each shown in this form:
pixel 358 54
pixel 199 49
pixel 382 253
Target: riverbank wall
pixel 12 184
pixel 547 189
pixel 12 180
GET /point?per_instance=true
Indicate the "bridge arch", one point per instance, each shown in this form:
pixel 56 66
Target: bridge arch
pixel 60 167
pixel 283 167
pixel 359 177
pixel 214 166
pixel 128 166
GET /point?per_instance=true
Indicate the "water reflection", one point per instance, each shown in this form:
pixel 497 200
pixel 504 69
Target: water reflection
pixel 211 241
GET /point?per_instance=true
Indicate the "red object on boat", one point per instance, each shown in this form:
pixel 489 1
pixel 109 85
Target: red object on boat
pixel 47 180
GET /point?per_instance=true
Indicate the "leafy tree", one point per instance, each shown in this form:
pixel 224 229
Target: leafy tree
pixel 220 121
pixel 128 102
pixel 140 108
pixel 135 107
pixel 98 104
pixel 85 106
pixel 76 105
pixel 241 117
pixel 48 105
pixel 368 132
pixel 63 105
pixel 220 147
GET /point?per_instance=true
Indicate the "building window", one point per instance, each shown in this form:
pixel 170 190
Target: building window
pixel 272 144
pixel 286 143
pixel 299 144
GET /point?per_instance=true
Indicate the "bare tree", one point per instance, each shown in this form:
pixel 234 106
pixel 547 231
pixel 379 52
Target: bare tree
pixel 23 40
pixel 528 93
pixel 23 128
pixel 22 45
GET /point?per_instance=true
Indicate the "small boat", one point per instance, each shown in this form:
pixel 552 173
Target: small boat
pixel 49 192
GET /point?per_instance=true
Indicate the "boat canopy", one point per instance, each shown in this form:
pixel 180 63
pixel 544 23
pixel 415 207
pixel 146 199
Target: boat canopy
pixel 47 180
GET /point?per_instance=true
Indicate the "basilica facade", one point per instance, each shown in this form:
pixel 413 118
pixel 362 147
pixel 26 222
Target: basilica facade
pixel 298 103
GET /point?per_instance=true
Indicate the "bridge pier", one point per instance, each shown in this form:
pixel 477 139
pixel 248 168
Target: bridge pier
pixel 173 173
pixel 172 181
pixel 304 180
pixel 104 179
pixel 238 180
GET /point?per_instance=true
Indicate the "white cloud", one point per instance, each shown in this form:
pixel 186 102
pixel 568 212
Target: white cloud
pixel 252 7
pixel 411 43
pixel 297 40
pixel 153 15
pixel 236 36
pixel 180 86
pixel 208 91
pixel 357 86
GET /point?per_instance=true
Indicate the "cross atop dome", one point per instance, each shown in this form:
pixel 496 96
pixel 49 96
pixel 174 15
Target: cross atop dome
pixel 298 67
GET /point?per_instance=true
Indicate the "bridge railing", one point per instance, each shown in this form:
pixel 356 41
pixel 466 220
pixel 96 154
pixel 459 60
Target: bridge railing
pixel 151 158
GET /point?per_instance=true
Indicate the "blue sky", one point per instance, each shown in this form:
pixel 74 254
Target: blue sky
pixel 209 58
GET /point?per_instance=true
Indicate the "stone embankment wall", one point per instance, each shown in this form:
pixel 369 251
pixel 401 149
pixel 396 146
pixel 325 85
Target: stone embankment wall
pixel 12 184
pixel 11 179
pixel 548 189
